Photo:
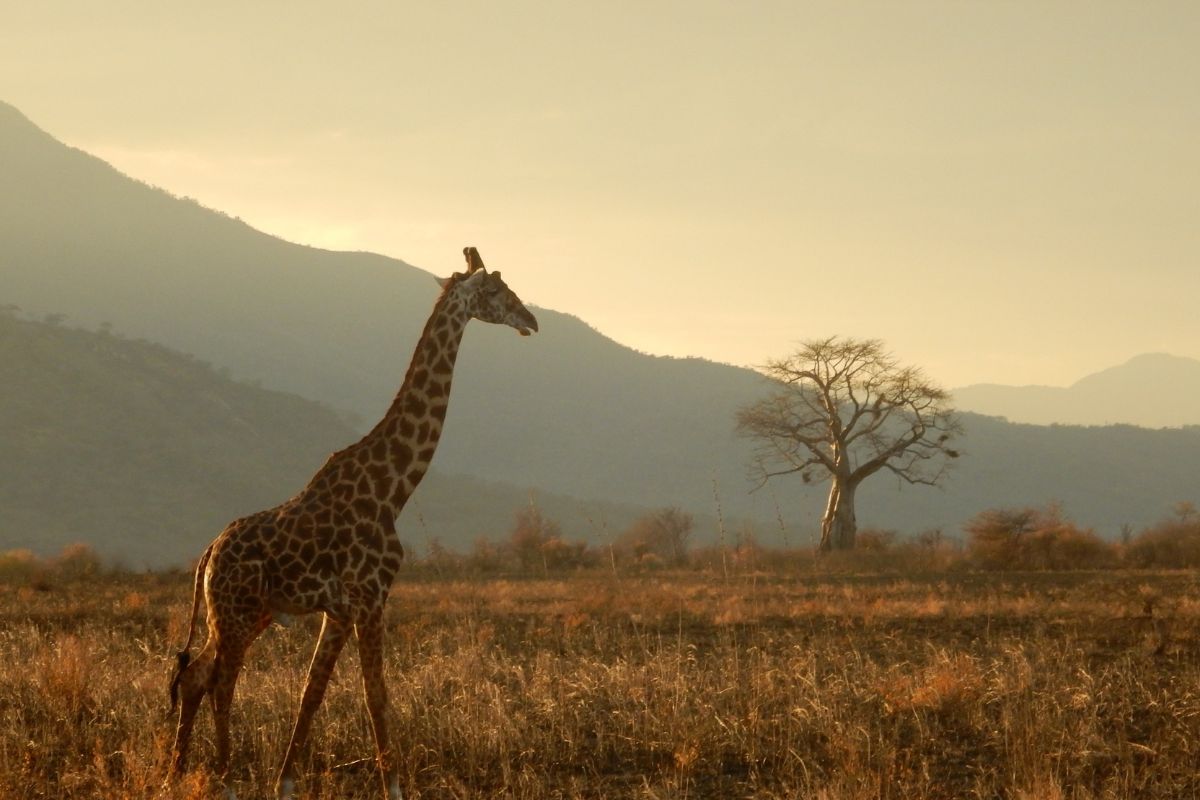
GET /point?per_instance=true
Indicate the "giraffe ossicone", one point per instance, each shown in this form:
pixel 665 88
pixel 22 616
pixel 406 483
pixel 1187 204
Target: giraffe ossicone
pixel 332 548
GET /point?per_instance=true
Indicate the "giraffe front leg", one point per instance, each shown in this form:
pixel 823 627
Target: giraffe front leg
pixel 370 651
pixel 334 633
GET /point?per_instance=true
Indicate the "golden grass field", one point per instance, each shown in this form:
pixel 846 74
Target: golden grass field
pixel 688 685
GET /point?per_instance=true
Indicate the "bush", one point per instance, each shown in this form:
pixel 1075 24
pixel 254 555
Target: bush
pixel 1034 539
pixel 77 562
pixel 874 540
pixel 19 566
pixel 1170 544
pixel 663 534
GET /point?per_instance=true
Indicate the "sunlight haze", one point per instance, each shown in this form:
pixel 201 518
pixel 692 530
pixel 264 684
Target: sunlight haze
pixel 1002 192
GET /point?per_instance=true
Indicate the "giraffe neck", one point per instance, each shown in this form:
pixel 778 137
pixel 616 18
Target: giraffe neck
pixel 401 446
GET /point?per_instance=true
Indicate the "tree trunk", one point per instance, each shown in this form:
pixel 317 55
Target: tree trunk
pixel 838 526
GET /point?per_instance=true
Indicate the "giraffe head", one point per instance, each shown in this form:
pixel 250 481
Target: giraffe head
pixel 488 297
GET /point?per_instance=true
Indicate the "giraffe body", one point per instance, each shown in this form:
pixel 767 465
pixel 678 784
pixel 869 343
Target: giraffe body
pixel 333 547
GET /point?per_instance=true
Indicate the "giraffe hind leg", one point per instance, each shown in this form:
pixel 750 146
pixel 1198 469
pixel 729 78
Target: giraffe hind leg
pixel 188 687
pixel 227 665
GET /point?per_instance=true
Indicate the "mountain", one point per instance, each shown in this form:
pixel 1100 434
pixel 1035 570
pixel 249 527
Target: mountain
pixel 146 453
pixel 1154 390
pixel 567 412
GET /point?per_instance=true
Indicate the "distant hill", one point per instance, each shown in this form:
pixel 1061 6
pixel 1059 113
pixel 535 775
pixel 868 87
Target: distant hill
pixel 567 412
pixel 146 453
pixel 1154 390
pixel 1105 477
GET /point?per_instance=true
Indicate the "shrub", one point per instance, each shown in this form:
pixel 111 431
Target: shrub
pixel 77 562
pixel 875 540
pixel 19 566
pixel 663 534
pixel 1170 544
pixel 1034 539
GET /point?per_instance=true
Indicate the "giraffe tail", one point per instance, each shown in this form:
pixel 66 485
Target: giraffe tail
pixel 184 657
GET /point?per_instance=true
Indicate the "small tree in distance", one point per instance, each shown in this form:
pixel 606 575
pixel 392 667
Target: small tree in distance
pixel 663 534
pixel 846 409
pixel 533 537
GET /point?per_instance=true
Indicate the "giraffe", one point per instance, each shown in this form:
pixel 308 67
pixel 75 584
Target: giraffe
pixel 332 548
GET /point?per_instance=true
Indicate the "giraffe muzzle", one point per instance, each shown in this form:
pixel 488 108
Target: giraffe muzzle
pixel 526 323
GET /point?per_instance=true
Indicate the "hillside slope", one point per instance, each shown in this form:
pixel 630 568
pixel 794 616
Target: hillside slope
pixel 568 410
pixel 146 453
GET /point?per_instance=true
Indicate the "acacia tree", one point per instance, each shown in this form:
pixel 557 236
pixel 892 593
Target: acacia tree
pixel 847 409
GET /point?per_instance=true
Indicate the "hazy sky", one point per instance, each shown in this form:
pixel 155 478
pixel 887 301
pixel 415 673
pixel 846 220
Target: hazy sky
pixel 1002 191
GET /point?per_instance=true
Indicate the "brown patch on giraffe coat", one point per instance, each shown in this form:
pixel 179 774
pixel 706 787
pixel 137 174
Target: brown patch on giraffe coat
pixel 308 584
pixel 414 405
pixel 291 570
pixel 381 478
pixel 308 551
pixel 365 507
pixel 323 562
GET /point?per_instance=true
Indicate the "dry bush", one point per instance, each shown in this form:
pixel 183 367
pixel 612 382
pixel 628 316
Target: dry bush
pixel 658 538
pixel 19 567
pixel 1034 539
pixel 1170 544
pixel 77 561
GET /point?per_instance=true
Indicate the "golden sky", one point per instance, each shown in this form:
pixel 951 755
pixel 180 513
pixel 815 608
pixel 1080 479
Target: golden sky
pixel 1002 191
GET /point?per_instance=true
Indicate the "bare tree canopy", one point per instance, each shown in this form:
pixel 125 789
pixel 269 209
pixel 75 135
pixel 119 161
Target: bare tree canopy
pixel 846 409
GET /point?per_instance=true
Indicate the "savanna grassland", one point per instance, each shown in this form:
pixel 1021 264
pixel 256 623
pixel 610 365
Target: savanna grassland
pixel 681 685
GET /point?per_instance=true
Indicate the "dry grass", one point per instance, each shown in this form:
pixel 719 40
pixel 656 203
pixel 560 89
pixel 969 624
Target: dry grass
pixel 681 686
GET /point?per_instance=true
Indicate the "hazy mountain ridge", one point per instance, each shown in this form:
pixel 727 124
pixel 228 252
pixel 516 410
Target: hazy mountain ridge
pixel 83 240
pixel 146 453
pixel 567 411
pixel 1153 390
